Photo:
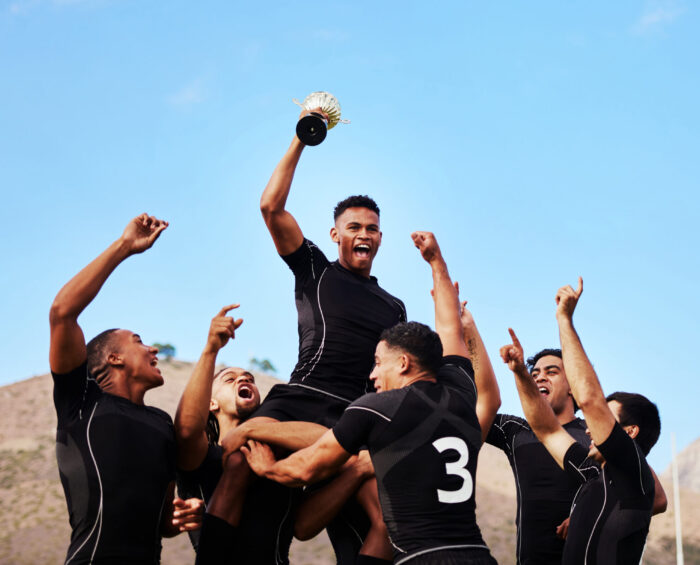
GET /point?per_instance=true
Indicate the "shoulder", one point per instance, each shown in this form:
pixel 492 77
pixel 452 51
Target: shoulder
pixel 383 404
pixel 161 414
pixel 510 422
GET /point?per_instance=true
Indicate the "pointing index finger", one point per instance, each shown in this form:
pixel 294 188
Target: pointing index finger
pixel 226 309
pixel 579 290
pixel 514 337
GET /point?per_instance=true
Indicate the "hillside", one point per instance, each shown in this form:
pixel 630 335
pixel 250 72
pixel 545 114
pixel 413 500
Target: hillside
pixel 32 505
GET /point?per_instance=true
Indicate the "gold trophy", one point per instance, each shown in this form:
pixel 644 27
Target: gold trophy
pixel 312 128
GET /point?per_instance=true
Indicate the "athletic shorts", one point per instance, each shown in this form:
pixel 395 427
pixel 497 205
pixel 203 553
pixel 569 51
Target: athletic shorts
pixel 450 557
pixel 290 403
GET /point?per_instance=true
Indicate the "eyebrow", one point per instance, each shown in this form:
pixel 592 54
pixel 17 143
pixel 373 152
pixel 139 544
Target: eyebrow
pixel 136 336
pixel 552 367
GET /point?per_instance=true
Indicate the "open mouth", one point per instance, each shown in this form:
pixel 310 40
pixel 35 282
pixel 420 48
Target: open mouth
pixel 245 392
pixel 362 250
pixel 154 362
pixel 543 391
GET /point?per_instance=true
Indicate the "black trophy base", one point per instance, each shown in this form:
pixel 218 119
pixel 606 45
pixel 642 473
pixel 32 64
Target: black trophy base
pixel 312 129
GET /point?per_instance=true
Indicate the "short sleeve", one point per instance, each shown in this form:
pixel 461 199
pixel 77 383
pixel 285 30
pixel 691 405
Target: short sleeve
pixel 578 465
pixel 358 422
pixel 73 393
pixel 626 461
pixel 457 372
pixel 306 262
pixel 503 429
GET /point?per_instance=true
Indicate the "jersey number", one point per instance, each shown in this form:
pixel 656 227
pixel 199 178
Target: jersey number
pixel 455 468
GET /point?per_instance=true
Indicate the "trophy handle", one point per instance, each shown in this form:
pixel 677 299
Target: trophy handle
pixel 312 129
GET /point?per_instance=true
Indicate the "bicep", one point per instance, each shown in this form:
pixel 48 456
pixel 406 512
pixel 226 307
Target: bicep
pixel 191 451
pixel 557 443
pixel 285 232
pixel 67 346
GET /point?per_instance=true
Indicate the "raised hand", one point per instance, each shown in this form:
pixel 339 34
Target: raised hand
pixel 187 514
pixel 222 328
pixel 305 112
pixel 513 355
pixel 567 298
pixel 141 232
pixel 259 456
pixel 427 245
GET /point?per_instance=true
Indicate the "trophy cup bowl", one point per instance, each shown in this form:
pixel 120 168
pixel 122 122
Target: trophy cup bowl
pixel 313 128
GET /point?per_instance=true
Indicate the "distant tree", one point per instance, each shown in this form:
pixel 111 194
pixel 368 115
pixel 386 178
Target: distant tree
pixel 263 365
pixel 167 350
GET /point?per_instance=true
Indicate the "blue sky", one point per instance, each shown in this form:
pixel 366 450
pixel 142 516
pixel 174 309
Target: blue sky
pixel 539 141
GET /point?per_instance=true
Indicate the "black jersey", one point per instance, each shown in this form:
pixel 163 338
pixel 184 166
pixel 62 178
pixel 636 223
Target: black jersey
pixel 424 440
pixel 611 512
pixel 545 491
pixel 341 315
pixel 267 519
pixel 116 460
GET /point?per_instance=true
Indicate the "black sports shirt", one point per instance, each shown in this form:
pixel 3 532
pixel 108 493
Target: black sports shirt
pixel 267 519
pixel 611 513
pixel 116 460
pixel 424 440
pixel 341 315
pixel 545 491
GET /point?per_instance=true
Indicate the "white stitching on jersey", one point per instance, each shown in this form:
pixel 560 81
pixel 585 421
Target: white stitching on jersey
pixel 468 377
pixel 520 499
pixel 639 462
pixel 368 410
pixel 311 252
pixel 439 548
pixel 605 498
pixel 321 391
pixel 403 309
pixel 98 518
pixel 319 351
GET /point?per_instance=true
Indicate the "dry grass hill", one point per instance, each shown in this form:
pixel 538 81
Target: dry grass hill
pixel 35 523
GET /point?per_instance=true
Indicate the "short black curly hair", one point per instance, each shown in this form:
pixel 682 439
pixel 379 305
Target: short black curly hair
pixel 418 340
pixel 98 350
pixel 358 201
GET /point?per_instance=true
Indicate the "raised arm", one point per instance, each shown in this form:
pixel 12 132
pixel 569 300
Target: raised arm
pixel 283 228
pixel 583 380
pixel 193 409
pixel 308 465
pixel 447 317
pixel 489 395
pixel 67 350
pixel 537 410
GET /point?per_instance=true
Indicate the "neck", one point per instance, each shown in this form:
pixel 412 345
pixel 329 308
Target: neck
pixel 567 415
pixel 422 376
pixel 120 387
pixel 226 424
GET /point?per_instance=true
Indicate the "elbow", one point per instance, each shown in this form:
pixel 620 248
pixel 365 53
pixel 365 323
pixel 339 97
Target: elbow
pixel 268 208
pixel 303 529
pixel 660 504
pixel 59 311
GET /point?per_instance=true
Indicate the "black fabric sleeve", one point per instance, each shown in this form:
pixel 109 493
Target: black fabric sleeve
pixel 578 465
pixel 503 429
pixel 307 261
pixel 625 460
pixel 457 372
pixel 72 393
pixel 357 423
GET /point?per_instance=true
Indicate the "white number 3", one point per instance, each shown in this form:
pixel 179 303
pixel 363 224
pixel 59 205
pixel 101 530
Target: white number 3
pixel 455 468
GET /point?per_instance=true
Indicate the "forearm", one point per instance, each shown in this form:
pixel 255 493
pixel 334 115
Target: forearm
pixel 292 436
pixel 489 395
pixel 193 409
pixel 537 411
pixel 445 297
pixel 322 505
pixel 75 296
pixel 582 378
pixel 274 197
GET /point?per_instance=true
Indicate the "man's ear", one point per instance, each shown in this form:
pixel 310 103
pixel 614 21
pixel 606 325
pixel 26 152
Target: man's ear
pixel 334 235
pixel 115 360
pixel 406 363
pixel 213 405
pixel 632 430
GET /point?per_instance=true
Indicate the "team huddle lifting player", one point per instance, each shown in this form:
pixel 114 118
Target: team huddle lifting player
pixel 611 512
pixel 116 457
pixel 247 521
pixel 423 430
pixel 342 312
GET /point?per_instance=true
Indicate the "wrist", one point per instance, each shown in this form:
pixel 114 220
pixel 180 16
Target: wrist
pixel 122 247
pixel 210 350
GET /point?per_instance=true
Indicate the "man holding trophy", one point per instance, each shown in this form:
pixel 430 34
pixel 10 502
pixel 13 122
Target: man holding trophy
pixel 341 311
